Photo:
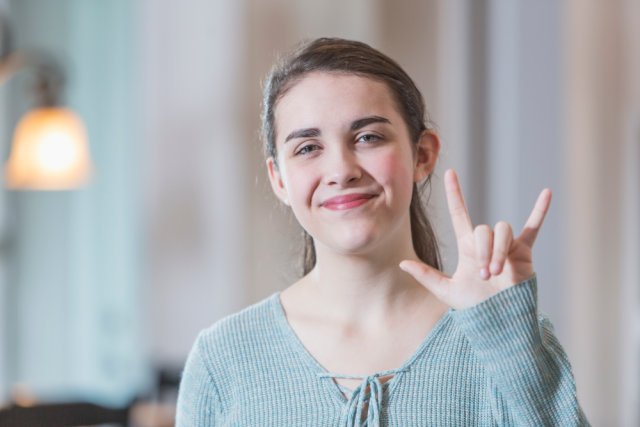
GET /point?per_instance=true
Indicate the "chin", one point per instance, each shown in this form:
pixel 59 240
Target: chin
pixel 353 240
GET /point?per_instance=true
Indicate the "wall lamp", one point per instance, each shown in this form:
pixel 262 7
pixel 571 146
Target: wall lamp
pixel 49 150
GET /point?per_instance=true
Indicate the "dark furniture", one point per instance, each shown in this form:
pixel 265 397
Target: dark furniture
pixel 63 415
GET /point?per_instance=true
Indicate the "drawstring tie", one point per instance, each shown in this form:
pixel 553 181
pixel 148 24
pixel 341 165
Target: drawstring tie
pixel 352 413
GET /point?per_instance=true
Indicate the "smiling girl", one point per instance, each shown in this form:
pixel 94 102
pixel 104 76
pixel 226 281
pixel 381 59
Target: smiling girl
pixel 374 333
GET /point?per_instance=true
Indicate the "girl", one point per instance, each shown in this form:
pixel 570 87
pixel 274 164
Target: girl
pixel 375 334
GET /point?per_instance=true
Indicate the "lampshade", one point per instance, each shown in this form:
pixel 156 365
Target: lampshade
pixel 49 152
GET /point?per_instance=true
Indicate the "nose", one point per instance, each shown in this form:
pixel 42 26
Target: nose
pixel 341 167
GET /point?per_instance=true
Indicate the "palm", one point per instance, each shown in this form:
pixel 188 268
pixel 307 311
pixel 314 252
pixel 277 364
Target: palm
pixel 505 260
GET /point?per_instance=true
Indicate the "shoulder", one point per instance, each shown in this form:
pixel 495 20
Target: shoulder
pixel 220 359
pixel 244 341
pixel 255 322
pixel 241 347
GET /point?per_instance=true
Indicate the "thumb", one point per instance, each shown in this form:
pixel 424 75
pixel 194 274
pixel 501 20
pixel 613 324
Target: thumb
pixel 432 279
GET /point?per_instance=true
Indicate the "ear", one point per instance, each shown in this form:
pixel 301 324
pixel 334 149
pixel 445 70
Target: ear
pixel 427 151
pixel 276 181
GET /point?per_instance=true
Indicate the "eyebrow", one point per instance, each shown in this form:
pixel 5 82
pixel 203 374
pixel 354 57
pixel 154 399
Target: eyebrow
pixel 303 133
pixel 357 124
pixel 360 123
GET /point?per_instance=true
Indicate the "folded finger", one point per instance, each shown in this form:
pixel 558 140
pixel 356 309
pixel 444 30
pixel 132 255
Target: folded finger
pixel 503 236
pixel 483 236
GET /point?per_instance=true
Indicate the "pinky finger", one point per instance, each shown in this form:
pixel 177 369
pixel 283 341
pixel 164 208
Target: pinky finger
pixel 531 228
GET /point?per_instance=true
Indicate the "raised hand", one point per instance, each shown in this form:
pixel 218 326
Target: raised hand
pixel 488 260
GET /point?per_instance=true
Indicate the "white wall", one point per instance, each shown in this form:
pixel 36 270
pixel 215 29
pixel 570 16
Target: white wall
pixel 630 296
pixel 195 171
pixel 602 98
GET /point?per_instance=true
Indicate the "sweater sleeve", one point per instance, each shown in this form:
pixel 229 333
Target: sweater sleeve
pixel 523 358
pixel 198 400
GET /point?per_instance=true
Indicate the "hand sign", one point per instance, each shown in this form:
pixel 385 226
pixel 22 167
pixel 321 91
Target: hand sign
pixel 488 261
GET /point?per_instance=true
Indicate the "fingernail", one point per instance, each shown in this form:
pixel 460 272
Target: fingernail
pixel 494 267
pixel 484 274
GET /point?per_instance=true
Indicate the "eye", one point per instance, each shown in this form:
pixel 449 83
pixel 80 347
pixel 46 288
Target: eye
pixel 369 138
pixel 307 149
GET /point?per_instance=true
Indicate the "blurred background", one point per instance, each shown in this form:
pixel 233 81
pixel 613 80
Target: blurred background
pixel 103 289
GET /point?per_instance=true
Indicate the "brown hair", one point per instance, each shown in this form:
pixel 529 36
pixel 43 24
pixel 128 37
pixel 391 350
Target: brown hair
pixel 334 55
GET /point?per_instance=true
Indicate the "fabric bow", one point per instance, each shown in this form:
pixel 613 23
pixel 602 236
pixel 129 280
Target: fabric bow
pixel 352 413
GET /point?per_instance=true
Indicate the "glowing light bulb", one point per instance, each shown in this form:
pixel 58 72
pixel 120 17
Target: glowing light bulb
pixel 56 151
pixel 49 152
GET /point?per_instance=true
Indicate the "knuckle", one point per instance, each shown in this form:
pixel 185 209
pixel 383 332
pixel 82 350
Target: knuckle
pixel 504 228
pixel 498 254
pixel 482 228
pixel 503 225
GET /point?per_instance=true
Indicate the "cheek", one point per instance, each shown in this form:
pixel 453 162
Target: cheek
pixel 394 171
pixel 301 183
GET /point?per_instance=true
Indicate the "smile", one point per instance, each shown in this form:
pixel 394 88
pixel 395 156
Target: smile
pixel 348 201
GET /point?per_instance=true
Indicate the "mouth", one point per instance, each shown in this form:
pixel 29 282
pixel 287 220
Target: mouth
pixel 348 201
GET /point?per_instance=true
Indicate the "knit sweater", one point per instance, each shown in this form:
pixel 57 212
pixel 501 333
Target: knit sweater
pixel 497 363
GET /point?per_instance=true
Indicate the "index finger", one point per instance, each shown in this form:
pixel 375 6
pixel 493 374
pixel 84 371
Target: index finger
pixel 533 224
pixel 457 208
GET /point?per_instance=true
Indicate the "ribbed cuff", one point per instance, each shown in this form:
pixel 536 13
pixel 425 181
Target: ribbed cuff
pixel 504 327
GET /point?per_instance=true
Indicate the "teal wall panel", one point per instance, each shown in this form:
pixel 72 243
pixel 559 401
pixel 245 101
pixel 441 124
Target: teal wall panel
pixel 75 279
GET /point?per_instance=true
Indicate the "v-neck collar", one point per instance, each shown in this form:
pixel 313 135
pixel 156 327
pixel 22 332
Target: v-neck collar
pixel 336 389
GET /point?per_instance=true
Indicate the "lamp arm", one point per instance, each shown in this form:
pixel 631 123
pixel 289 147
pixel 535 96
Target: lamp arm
pixel 50 75
pixel 11 65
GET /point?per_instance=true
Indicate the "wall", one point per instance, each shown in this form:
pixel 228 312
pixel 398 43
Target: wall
pixel 629 368
pixel 194 168
pixel 603 141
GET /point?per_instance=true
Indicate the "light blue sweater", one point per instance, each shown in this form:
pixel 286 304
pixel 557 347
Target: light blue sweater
pixel 497 363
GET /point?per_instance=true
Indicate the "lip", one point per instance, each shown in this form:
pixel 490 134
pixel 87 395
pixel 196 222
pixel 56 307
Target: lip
pixel 347 201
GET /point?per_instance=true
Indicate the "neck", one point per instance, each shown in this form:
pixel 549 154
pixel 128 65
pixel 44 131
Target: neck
pixel 363 288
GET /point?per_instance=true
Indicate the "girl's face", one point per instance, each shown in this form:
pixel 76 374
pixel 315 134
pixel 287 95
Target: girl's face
pixel 345 163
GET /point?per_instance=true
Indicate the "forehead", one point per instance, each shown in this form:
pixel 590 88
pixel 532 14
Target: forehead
pixel 326 99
